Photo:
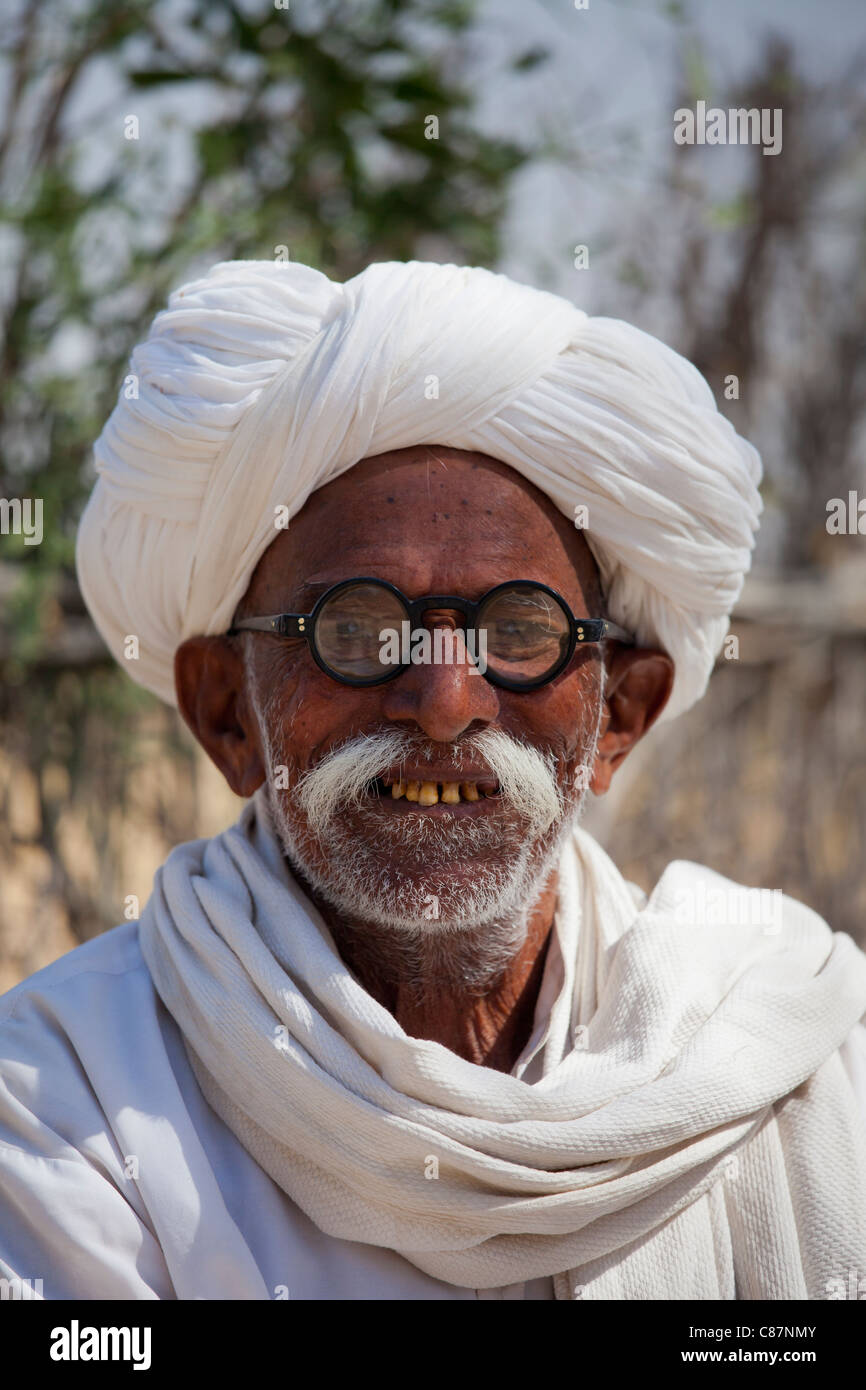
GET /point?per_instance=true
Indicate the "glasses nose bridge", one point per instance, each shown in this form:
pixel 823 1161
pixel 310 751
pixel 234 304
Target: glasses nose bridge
pixel 442 604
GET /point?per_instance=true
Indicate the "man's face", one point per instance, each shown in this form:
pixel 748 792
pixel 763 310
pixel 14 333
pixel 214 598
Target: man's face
pixel 435 520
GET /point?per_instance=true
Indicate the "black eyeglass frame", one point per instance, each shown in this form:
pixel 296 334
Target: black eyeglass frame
pixel 293 625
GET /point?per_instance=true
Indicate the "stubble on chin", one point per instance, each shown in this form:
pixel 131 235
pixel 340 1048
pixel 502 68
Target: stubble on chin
pixel 428 897
pixel 418 875
pixel 453 926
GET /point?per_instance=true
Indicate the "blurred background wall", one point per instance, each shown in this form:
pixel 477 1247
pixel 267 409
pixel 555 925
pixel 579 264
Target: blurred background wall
pixel 140 143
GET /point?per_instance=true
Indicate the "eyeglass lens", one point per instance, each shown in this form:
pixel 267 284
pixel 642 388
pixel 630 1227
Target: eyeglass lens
pixel 350 628
pixel 526 632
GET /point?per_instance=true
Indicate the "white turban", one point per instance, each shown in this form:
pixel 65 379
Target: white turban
pixel 262 381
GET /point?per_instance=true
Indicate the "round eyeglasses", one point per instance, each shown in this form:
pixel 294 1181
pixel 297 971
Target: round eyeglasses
pixel 519 635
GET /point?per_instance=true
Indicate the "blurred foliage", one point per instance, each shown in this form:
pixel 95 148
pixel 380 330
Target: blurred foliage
pixel 257 127
pixel 753 267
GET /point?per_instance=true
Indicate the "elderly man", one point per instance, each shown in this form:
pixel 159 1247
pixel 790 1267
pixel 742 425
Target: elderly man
pixel 404 1032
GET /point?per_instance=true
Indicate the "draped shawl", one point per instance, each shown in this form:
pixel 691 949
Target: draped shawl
pixel 692 1132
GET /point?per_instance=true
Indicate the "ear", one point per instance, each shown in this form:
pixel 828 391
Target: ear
pixel 637 688
pixel 211 696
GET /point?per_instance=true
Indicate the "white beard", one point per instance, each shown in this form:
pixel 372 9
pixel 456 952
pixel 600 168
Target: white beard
pixel 404 878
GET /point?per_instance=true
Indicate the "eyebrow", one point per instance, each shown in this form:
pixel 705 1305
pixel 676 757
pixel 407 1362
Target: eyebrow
pixel 315 588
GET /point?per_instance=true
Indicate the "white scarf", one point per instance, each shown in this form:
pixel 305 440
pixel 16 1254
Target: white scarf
pixel 693 1133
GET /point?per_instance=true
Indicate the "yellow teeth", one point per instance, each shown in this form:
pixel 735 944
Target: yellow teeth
pixel 429 793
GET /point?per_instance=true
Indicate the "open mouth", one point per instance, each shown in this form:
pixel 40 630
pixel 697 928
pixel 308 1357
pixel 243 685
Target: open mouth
pixel 433 793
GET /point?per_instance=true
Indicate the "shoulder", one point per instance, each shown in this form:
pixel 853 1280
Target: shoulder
pixel 695 895
pixel 115 952
pixel 92 983
pixel 79 1021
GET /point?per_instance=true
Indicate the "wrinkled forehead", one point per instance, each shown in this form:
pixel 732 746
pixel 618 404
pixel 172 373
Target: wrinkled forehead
pixel 430 519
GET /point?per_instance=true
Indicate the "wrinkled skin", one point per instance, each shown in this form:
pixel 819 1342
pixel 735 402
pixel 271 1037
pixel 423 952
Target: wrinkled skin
pixel 431 519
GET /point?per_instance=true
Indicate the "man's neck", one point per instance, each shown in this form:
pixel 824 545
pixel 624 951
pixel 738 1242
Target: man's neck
pixel 417 985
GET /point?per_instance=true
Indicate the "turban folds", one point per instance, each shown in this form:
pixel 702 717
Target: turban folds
pixel 262 381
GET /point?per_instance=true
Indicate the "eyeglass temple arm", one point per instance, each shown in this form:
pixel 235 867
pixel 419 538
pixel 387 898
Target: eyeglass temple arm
pixel 597 629
pixel 282 624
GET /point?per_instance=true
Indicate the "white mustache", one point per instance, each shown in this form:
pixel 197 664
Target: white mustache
pixel 526 777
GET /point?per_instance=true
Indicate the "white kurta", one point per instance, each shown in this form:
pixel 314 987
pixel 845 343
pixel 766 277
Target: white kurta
pixel 118 1181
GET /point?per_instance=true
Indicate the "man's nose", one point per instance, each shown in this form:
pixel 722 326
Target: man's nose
pixel 443 698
